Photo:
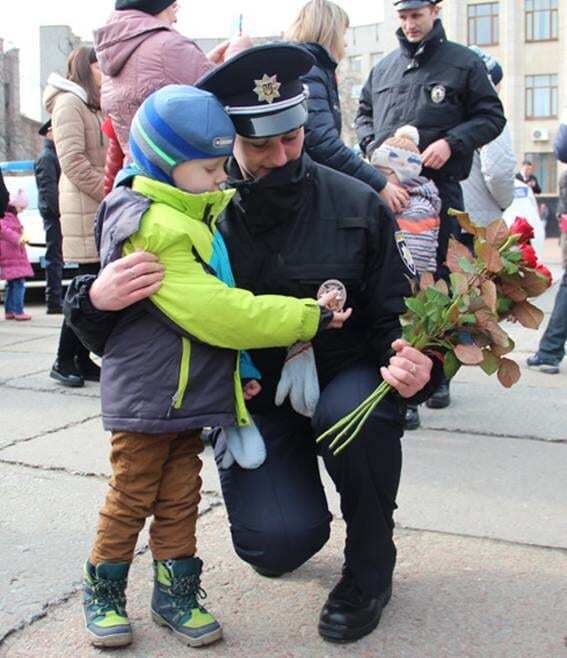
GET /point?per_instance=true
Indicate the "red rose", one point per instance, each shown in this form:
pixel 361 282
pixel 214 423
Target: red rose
pixel 529 256
pixel 523 229
pixel 542 269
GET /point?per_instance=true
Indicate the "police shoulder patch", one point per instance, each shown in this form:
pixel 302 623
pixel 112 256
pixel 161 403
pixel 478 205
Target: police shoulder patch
pixel 405 253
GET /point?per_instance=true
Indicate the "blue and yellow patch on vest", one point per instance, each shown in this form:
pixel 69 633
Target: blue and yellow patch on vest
pixel 405 253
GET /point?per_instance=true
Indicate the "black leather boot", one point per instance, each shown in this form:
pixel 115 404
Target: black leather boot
pixel 88 369
pixel 441 398
pixel 67 374
pixel 412 421
pixel 349 614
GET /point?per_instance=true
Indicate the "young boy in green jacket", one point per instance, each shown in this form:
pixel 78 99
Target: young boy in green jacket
pixel 172 364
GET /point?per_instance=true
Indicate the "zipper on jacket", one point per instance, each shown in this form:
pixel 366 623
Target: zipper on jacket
pixel 208 216
pixel 242 415
pixel 183 381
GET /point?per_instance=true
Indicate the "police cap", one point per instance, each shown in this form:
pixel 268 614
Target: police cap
pixel 261 89
pixel 45 128
pixel 401 5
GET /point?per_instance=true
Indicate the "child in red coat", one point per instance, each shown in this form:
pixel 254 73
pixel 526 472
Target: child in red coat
pixel 14 263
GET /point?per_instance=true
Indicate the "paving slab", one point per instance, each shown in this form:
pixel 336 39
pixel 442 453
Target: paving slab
pixel 484 486
pixel 42 382
pixel 454 597
pixel 487 408
pixel 46 344
pixel 27 414
pixel 83 450
pixel 47 525
pixel 16 365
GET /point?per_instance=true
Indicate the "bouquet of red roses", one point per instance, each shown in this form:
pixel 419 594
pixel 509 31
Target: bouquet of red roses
pixel 462 325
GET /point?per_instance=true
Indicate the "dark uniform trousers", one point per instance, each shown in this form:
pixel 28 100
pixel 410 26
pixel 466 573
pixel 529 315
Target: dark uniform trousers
pixel 70 346
pixel 53 260
pixel 451 195
pixel 278 513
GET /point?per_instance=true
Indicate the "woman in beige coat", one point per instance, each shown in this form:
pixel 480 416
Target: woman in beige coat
pixel 74 105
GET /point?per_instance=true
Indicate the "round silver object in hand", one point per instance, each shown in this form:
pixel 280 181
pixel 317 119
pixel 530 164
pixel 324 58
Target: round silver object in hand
pixel 334 285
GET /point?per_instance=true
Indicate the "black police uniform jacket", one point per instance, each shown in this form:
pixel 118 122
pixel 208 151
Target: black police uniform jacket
pixel 301 225
pixel 323 129
pixel 47 173
pixel 440 87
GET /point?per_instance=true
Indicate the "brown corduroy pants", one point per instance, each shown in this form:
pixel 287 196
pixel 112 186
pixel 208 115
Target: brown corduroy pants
pixel 151 475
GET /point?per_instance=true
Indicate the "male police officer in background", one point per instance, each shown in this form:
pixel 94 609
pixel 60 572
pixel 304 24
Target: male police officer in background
pixel 442 89
pixel 47 172
pixel 293 225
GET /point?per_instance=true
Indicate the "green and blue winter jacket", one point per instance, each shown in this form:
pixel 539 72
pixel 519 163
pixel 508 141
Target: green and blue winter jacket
pixel 171 364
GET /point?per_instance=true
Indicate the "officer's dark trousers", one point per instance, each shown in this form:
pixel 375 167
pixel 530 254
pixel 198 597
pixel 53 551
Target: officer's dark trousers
pixel 278 513
pixel 69 344
pixel 53 261
pixel 451 197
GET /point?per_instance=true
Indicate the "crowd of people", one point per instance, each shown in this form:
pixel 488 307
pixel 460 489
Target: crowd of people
pixel 240 268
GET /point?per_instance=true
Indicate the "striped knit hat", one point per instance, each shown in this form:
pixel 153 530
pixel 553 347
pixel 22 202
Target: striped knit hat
pixel 176 124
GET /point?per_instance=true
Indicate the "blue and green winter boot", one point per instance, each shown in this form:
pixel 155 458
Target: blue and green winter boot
pixel 177 588
pixel 104 604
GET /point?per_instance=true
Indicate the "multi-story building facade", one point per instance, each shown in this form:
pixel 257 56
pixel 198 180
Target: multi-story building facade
pixel 55 44
pixel 527 37
pixel 18 134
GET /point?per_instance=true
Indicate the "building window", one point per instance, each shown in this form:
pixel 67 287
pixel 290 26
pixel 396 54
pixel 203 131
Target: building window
pixel 545 170
pixel 483 24
pixel 355 64
pixel 541 96
pixel 542 20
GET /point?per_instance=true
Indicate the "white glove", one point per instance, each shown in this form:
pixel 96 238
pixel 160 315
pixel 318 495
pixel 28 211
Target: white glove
pixel 299 380
pixel 245 446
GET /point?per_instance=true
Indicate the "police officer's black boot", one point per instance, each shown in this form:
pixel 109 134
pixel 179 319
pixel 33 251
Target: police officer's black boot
pixel 412 421
pixel 349 614
pixel 441 398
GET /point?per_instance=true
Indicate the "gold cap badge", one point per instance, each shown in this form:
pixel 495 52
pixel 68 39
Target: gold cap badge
pixel 267 88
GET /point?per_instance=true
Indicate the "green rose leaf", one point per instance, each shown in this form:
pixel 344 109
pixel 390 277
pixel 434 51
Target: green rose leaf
pixel 459 282
pixel 491 363
pixel 415 305
pixel 451 365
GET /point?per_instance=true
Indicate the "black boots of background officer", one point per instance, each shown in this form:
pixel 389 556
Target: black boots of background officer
pixel 412 420
pixel 442 396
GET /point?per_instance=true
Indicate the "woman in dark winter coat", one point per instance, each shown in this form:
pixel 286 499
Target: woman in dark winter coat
pixel 320 28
